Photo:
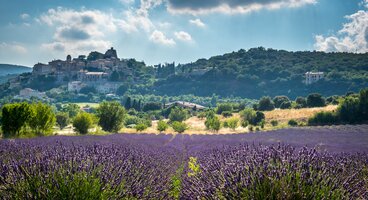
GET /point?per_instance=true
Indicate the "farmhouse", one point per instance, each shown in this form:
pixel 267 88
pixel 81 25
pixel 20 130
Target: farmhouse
pixel 312 77
pixel 185 104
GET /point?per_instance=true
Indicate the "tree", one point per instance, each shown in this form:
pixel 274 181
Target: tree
pixel 87 90
pixel 285 105
pixel 224 107
pixel 213 123
pixel 162 126
pixel 349 110
pixel 122 89
pixel 14 117
pixel 251 116
pixel 43 119
pixel 72 109
pixel 82 122
pixel 111 116
pixel 115 76
pixel 152 106
pixel 363 103
pixel 315 100
pixel 62 120
pixel 178 114
pixel 301 102
pixel 279 100
pixel 179 127
pixel 128 103
pixel 265 103
pixel 233 123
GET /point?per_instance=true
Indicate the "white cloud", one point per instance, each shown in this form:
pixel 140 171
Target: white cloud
pixel 353 37
pixel 79 31
pixel 197 22
pixel 24 16
pixel 195 7
pixel 10 48
pixel 159 37
pixel 184 36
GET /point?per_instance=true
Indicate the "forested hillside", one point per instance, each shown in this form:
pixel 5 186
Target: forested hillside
pixel 259 71
pixel 6 69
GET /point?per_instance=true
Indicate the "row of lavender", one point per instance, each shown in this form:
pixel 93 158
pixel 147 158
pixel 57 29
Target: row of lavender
pixel 167 167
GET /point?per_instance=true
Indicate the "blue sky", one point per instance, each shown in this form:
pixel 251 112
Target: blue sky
pixel 158 31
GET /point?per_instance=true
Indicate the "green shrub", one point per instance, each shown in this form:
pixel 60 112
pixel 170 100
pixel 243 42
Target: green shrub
pixel 141 127
pixel 265 103
pixel 285 105
pixel 178 115
pixel 279 100
pixel 349 110
pixel 213 123
pixel 292 122
pixel 111 116
pixel 129 120
pixel 227 114
pixel 250 128
pixel 43 118
pixel 82 122
pixel 244 123
pixel 301 102
pixel 233 123
pixel 323 118
pixel 224 107
pixel 62 120
pixel 162 126
pixel 179 127
pixel 15 117
pixel 251 116
pixel 315 100
pixel 274 122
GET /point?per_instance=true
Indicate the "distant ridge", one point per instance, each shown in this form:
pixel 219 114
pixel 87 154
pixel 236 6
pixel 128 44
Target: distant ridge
pixel 6 69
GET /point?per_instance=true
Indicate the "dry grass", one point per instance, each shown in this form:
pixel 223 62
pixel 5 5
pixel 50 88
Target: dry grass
pixel 298 114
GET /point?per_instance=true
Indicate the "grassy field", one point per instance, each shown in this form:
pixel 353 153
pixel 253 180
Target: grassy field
pixel 197 125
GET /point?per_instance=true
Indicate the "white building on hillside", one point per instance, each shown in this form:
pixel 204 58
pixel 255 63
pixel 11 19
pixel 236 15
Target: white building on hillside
pixel 75 86
pixel 27 93
pixel 312 77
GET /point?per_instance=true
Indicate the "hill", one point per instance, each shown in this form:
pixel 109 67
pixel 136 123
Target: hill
pixel 6 69
pixel 268 72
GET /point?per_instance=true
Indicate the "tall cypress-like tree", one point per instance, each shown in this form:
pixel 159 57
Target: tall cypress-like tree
pixel 139 106
pixel 134 105
pixel 128 103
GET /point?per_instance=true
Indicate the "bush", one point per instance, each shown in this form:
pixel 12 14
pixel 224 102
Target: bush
pixel 179 127
pixel 265 103
pixel 71 108
pixel 82 122
pixel 250 128
pixel 233 123
pixel 301 102
pixel 227 114
pixel 201 115
pixel 285 105
pixel 315 100
pixel 213 123
pixel 43 118
pixel 349 110
pixel 141 127
pixel 224 107
pixel 111 116
pixel 129 120
pixel 279 100
pixel 62 120
pixel 244 123
pixel 292 122
pixel 162 126
pixel 152 106
pixel 251 116
pixel 15 117
pixel 323 118
pixel 274 122
pixel 178 115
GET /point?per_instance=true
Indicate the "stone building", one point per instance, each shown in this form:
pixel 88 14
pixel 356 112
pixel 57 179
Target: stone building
pixel 312 77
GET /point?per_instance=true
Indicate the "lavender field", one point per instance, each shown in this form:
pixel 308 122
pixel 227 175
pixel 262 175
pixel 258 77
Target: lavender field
pixel 310 163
